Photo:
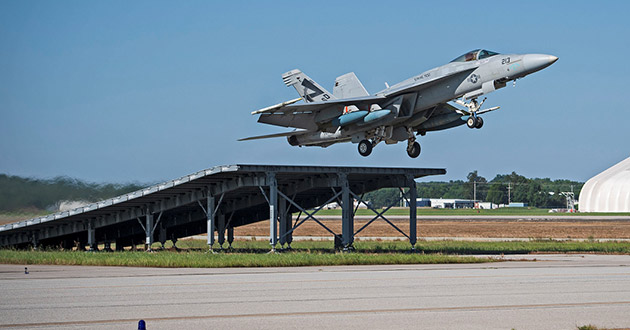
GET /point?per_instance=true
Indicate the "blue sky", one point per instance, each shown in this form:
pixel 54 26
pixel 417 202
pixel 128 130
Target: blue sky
pixel 147 91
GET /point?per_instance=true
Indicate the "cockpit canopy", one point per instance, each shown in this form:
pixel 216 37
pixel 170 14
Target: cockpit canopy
pixel 474 55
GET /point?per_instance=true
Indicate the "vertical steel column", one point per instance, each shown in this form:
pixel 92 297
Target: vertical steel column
pixel 35 239
pixel 221 229
pixel 282 211
pixel 273 209
pixel 91 235
pixel 210 219
pixel 119 245
pixel 148 229
pixel 347 210
pixel 413 208
pixel 162 233
pixel 230 235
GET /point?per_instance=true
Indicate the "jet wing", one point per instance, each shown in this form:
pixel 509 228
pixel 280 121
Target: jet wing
pixel 309 116
pixel 312 107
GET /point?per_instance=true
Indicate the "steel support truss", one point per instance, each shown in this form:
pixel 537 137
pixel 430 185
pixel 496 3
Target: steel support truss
pixel 410 196
pixel 223 197
pixel 279 213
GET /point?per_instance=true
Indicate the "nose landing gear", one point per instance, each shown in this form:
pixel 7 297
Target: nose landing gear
pixel 474 121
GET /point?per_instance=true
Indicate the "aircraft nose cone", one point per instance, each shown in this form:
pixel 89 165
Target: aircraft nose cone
pixel 535 62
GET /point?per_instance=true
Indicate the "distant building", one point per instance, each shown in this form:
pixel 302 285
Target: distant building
pixel 357 204
pixel 452 203
pixel 486 205
pixel 608 191
pixel 421 202
pixel 517 204
pixel 447 203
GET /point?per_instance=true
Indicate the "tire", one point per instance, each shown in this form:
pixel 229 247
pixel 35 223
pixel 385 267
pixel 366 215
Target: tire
pixel 479 123
pixel 365 148
pixel 414 152
pixel 471 122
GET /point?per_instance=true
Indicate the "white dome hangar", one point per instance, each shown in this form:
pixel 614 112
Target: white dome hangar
pixel 608 191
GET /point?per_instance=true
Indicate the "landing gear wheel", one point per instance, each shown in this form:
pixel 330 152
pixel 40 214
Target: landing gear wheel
pixel 471 122
pixel 414 150
pixel 479 122
pixel 365 148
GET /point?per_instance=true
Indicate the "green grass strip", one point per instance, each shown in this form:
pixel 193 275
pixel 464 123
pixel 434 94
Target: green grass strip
pixel 195 259
pixel 310 253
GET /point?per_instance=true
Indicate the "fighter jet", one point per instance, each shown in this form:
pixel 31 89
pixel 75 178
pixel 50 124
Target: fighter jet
pixel 437 99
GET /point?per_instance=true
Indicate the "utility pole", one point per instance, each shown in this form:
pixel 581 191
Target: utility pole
pixel 474 192
pixel 570 200
pixel 509 191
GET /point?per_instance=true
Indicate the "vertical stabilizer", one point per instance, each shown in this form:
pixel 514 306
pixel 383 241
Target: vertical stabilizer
pixel 309 90
pixel 348 86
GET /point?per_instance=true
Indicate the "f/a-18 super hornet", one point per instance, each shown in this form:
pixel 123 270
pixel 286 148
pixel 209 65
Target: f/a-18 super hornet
pixel 398 113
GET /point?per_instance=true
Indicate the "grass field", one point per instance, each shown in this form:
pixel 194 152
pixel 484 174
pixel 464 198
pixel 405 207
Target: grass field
pixel 309 253
pixel 198 258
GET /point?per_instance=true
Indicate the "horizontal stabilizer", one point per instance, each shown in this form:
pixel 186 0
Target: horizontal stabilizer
pixel 298 132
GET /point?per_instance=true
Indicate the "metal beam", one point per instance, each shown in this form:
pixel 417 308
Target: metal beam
pixel 285 224
pixel 148 229
pixel 91 233
pixel 413 209
pixel 347 216
pixel 35 239
pixel 162 233
pixel 210 220
pixel 221 229
pixel 273 209
pixel 230 234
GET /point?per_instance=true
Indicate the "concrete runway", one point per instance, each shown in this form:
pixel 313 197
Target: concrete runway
pixel 555 292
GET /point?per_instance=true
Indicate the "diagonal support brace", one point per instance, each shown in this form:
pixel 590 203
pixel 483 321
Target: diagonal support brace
pixel 308 215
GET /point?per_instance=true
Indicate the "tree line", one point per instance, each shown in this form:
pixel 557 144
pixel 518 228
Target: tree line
pixel 504 188
pixel 19 194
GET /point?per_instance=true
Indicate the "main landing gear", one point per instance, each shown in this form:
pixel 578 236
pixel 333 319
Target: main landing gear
pixel 365 148
pixel 413 148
